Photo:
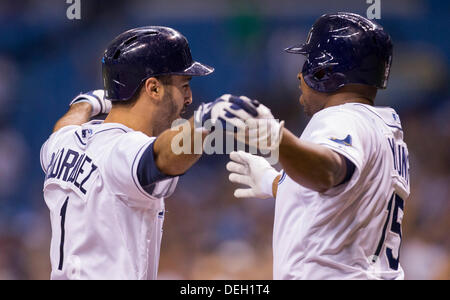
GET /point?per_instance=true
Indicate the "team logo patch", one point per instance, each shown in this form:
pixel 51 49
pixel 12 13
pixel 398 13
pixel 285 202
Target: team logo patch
pixel 347 141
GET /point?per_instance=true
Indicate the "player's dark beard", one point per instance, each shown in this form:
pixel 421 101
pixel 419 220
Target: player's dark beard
pixel 307 110
pixel 310 108
pixel 172 112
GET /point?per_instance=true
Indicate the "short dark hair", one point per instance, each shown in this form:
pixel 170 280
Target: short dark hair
pixel 164 79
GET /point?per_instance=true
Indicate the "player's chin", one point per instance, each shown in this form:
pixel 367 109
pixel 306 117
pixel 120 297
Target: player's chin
pixel 183 114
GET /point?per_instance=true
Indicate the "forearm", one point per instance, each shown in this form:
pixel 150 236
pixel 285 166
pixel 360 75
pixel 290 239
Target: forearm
pixel 79 113
pixel 167 160
pixel 311 165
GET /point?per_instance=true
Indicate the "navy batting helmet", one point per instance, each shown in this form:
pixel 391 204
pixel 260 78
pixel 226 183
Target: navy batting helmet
pixel 141 53
pixel 345 48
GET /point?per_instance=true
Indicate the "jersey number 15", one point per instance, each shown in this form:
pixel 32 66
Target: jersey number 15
pixel 397 203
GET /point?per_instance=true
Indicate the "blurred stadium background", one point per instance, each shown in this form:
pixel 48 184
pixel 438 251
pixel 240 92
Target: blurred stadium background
pixel 46 59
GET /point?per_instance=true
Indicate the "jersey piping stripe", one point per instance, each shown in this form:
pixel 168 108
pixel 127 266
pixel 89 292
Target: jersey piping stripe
pixel 110 129
pixel 283 177
pixel 42 159
pixel 79 138
pixel 393 126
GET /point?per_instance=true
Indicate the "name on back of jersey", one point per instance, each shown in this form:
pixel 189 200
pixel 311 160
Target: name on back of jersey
pixel 72 167
pixel 401 158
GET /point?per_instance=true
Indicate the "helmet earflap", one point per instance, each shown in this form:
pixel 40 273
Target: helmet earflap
pixel 323 74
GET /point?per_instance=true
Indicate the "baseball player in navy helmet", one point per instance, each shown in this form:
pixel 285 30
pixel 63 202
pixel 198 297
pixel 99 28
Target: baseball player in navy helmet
pixel 106 181
pixel 340 196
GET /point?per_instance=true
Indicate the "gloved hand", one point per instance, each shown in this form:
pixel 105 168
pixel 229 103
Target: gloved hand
pixel 231 111
pixel 97 100
pixel 252 171
pixel 250 121
pixel 264 133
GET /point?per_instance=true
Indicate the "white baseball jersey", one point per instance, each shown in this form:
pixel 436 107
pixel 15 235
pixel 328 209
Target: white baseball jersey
pixel 105 224
pixel 352 231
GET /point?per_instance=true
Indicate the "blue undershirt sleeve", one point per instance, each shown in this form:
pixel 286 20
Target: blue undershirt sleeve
pixel 350 171
pixel 147 171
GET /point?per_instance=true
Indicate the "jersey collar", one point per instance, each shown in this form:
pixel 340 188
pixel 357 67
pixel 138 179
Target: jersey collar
pixel 100 125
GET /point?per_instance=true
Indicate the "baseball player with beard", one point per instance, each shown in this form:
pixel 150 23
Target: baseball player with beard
pixel 340 197
pixel 106 180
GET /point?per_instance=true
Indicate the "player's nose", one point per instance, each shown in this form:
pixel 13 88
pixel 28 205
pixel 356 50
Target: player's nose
pixel 300 77
pixel 188 98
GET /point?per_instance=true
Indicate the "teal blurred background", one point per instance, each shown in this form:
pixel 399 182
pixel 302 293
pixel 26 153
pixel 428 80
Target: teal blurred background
pixel 46 59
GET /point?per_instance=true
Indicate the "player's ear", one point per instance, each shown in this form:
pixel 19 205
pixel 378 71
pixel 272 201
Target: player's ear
pixel 154 88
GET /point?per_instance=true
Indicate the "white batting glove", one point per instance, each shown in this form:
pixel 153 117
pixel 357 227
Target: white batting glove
pixel 228 110
pixel 263 133
pixel 97 100
pixel 252 122
pixel 252 171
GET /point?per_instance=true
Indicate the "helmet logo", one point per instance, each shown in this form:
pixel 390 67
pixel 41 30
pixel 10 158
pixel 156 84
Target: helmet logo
pixel 308 39
pixel 115 81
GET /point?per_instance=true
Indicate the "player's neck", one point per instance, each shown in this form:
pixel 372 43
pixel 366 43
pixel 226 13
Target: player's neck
pixel 350 98
pixel 134 118
pixel 352 94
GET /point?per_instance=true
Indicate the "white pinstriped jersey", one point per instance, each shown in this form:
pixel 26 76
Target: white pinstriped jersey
pixel 352 231
pixel 104 224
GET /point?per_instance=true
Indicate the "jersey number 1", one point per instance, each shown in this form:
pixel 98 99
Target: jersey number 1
pixel 61 245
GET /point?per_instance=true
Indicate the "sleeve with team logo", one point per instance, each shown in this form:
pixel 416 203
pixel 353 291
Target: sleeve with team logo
pixel 132 173
pixel 341 131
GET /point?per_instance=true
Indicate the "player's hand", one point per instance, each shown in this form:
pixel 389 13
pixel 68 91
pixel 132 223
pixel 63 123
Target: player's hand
pixel 263 133
pixel 254 172
pixel 258 129
pixel 228 110
pixel 97 100
pixel 248 120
